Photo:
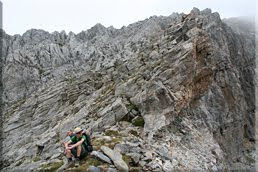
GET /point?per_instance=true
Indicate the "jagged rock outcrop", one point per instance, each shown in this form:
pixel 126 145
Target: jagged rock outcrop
pixel 189 77
pixel 116 157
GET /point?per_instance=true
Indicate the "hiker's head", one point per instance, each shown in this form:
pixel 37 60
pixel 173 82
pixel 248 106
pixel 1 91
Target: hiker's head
pixel 78 131
pixel 69 133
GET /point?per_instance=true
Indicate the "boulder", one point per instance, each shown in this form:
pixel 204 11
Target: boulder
pixel 111 170
pixel 116 157
pixel 135 157
pixel 101 156
pixel 94 169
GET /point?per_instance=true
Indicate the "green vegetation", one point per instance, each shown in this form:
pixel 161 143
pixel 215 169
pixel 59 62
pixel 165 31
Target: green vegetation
pixel 111 133
pixel 132 106
pixel 127 159
pixel 86 163
pixel 51 167
pixel 135 169
pixel 36 158
pixel 139 122
pixel 97 144
pixel 102 142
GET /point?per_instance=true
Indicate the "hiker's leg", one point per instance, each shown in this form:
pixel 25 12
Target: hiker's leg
pixel 69 153
pixel 83 152
pixel 79 150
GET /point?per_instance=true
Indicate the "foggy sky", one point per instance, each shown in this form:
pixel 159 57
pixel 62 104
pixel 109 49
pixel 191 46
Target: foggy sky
pixel 78 15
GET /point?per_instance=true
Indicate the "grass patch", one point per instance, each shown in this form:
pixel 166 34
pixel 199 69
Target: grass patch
pixel 132 106
pixel 135 169
pixel 36 158
pixel 139 122
pixel 51 167
pixel 127 159
pixel 97 144
pixel 86 163
pixel 114 141
pixel 111 144
pixel 111 133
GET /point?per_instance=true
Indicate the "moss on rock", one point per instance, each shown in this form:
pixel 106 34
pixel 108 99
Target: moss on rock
pixel 127 159
pixel 102 142
pixel 36 158
pixel 138 121
pixel 86 163
pixel 111 133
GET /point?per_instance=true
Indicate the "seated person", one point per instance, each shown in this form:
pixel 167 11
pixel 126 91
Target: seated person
pixel 76 146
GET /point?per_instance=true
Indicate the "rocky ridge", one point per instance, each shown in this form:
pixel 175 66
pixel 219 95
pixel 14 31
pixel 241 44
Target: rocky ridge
pixel 167 93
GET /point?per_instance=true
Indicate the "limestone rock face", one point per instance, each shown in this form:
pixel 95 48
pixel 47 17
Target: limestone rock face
pixel 190 77
pixel 116 157
pixel 101 156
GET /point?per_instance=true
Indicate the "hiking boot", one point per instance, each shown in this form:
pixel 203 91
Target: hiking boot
pixel 77 162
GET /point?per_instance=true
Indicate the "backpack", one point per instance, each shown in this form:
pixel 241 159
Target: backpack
pixel 88 141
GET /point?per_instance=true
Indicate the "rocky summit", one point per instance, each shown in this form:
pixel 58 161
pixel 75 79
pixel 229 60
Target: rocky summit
pixel 162 94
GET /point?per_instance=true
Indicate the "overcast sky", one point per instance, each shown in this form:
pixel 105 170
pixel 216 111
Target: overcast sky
pixel 78 15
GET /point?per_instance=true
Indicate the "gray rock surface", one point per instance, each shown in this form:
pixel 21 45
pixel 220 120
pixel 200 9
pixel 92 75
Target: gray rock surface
pixel 135 157
pixel 167 166
pixel 116 157
pixel 94 169
pixel 101 156
pixel 189 76
pixel 111 170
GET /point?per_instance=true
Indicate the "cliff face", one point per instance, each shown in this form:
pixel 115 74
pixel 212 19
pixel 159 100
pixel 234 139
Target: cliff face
pixel 189 77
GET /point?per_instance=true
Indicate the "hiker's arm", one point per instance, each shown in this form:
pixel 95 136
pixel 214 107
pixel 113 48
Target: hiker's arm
pixel 78 143
pixel 67 143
